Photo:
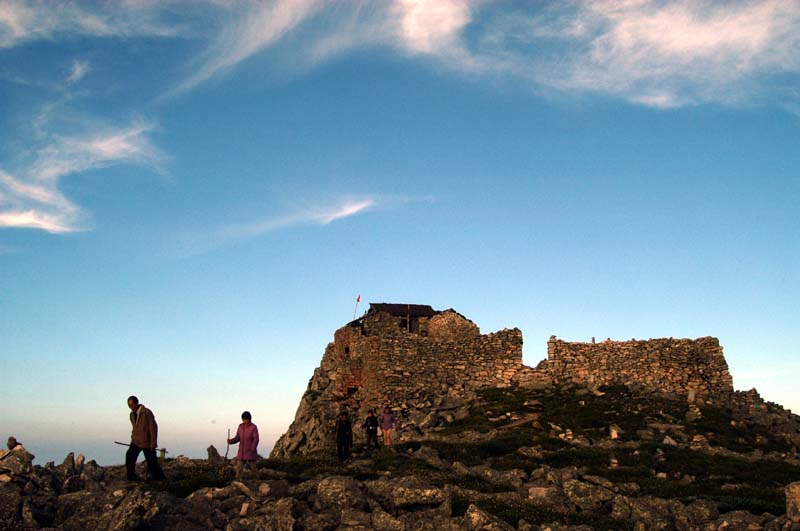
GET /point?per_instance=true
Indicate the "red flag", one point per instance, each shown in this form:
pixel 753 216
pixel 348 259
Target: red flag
pixel 358 299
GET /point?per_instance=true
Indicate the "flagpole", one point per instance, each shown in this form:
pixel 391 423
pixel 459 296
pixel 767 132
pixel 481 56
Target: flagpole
pixel 358 299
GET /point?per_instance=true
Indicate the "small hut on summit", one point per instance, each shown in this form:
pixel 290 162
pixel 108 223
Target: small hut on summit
pixel 407 316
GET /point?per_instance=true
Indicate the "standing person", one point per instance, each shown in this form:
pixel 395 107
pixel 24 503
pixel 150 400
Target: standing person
pixel 388 423
pixel 371 426
pixel 144 438
pixel 247 435
pixel 344 436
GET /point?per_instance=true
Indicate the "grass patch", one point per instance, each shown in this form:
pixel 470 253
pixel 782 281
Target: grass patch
pixel 760 483
pixel 740 437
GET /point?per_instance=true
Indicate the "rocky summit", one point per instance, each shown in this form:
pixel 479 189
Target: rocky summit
pixel 679 450
pixel 562 457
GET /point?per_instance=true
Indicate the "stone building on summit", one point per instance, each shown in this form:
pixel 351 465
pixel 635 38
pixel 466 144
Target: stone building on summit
pixel 411 357
pixel 400 352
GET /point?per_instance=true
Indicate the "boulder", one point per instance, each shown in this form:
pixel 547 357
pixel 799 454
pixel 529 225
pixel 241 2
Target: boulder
pixel 587 496
pixel 10 506
pixel 17 461
pixel 279 516
pixel 213 455
pixel 793 501
pixel 405 493
pixel 475 519
pixel 339 492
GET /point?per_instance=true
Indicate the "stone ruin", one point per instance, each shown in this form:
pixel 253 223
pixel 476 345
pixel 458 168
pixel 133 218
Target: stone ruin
pixel 413 358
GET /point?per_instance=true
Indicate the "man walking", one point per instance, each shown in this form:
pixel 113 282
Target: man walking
pixel 144 438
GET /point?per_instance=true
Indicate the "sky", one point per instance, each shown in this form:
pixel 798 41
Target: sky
pixel 193 195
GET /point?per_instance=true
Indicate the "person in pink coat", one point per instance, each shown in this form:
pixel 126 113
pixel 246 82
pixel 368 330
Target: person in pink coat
pixel 247 437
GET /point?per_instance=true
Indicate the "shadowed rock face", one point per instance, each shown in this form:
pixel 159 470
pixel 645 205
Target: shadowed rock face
pixel 527 459
pixel 412 358
pixel 409 363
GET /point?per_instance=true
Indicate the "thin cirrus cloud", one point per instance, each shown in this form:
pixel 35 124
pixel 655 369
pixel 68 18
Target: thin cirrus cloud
pixel 669 54
pixel 22 21
pixel 31 197
pixel 78 71
pixel 648 52
pixel 304 214
pixel 317 214
pixel 329 29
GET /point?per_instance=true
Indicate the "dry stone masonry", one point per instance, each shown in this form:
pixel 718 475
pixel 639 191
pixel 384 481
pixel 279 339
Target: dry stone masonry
pixel 680 366
pixel 413 358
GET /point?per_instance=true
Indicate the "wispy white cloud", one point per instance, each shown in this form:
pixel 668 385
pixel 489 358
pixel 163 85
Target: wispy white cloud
pixel 317 214
pixel 649 52
pixel 303 212
pixel 78 71
pixel 22 21
pixel 653 53
pixel 416 27
pixel 674 53
pixel 31 198
pixel 255 26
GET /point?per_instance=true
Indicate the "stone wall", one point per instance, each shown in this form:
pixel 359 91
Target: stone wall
pixel 391 370
pixel 451 325
pixel 375 361
pixel 682 366
pixel 413 369
pixel 383 359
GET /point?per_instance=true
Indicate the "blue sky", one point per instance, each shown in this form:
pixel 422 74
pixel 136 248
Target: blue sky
pixel 192 196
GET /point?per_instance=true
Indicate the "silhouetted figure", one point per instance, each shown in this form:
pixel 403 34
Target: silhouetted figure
pixel 144 438
pixel 371 427
pixel 344 436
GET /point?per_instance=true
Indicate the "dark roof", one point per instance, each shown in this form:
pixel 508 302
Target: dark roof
pixel 403 310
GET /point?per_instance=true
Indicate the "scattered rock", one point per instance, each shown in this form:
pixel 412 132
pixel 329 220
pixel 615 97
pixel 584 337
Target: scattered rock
pixel 475 519
pixel 213 455
pixel 793 501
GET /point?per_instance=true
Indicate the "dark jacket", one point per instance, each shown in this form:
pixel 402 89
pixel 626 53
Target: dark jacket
pixel 145 429
pixel 371 424
pixel 344 431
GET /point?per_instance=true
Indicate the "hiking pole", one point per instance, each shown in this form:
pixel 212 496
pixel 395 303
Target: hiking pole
pixel 228 445
pixel 163 450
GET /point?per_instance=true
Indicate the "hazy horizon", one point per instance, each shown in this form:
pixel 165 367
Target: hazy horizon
pixel 192 196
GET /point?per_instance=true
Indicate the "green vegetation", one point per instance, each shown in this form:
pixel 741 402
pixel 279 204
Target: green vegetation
pixel 733 482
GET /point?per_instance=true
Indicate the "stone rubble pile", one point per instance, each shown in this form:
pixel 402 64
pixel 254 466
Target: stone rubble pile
pixel 79 495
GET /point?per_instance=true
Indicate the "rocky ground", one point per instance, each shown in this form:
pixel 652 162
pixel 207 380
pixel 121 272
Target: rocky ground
pixel 561 458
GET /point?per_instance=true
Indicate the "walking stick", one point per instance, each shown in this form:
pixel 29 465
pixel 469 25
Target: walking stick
pixel 163 450
pixel 228 445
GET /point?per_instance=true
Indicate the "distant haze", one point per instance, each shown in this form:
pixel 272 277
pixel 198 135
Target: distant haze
pixel 193 196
